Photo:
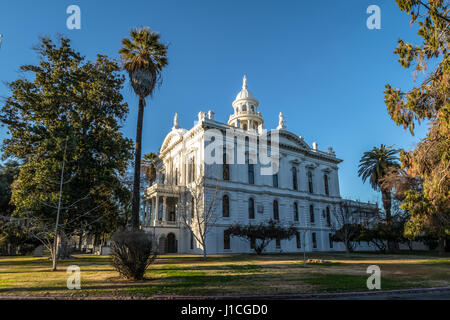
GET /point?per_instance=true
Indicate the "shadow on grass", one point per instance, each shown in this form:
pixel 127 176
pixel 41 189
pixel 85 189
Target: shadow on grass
pixel 174 282
pixel 346 282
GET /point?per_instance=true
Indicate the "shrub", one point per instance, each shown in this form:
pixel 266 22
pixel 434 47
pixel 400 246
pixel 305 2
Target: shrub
pixel 132 253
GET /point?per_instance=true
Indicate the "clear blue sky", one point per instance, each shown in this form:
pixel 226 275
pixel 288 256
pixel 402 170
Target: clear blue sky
pixel 316 61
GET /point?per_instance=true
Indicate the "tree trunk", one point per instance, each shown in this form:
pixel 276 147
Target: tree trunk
pixel 386 199
pixel 387 203
pixel 204 252
pixel 347 248
pixel 80 241
pixel 64 251
pixel 137 168
pixel 55 250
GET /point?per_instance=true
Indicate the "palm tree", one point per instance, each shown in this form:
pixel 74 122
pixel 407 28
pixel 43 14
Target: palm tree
pixel 376 164
pixel 143 58
pixel 148 167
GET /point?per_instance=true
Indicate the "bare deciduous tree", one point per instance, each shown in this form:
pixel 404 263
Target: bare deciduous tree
pixel 198 212
pixel 346 226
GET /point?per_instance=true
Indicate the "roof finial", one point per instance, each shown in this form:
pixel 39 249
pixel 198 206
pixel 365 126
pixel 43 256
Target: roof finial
pixel 244 82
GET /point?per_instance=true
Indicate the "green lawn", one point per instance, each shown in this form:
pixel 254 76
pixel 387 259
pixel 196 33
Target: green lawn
pixel 225 275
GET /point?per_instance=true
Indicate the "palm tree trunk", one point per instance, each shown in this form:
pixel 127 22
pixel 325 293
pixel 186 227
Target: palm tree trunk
pixel 386 199
pixel 387 203
pixel 137 168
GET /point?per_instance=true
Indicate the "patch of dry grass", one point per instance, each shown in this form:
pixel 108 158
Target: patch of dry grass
pixel 224 275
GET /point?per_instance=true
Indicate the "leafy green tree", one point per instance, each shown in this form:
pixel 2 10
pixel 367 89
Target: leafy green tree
pixel 12 239
pixel 428 101
pixel 8 173
pixel 143 57
pixel 374 165
pixel 69 109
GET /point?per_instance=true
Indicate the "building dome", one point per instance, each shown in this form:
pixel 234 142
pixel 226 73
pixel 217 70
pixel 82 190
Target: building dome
pixel 245 94
pixel 246 115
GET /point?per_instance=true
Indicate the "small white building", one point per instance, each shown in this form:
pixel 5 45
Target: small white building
pixel 303 189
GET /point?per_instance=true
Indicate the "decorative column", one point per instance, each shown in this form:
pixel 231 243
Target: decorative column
pixel 164 213
pixel 157 208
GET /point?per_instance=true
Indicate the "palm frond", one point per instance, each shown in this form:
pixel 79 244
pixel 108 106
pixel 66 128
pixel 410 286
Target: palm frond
pixel 143 57
pixel 375 164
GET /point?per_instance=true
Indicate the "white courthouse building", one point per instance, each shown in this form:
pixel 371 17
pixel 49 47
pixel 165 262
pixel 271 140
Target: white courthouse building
pixel 304 191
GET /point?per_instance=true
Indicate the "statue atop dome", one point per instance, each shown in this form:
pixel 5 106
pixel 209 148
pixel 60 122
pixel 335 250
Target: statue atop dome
pixel 244 82
pixel 281 125
pixel 175 121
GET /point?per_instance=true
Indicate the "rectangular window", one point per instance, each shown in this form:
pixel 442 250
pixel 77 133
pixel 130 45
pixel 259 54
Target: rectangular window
pixel 310 182
pixel 328 217
pixel 276 215
pixel 225 206
pixel 226 241
pixel 311 214
pixel 297 238
pixel 278 243
pixel 191 170
pixel 251 208
pixel 252 243
pixel 330 238
pixel 192 241
pixel 314 240
pixel 251 173
pixel 294 178
pixel 325 183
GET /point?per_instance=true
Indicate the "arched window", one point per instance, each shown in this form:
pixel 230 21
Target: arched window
pixel 226 166
pixel 226 240
pixel 191 169
pixel 325 183
pixel 276 215
pixel 192 208
pixel 295 211
pixel 251 208
pixel 225 206
pixel 310 182
pixel 250 166
pixel 251 173
pixel 244 107
pixel 311 213
pixel 314 240
pixel 294 178
pixel 275 180
pixel 297 238
pixel 328 216
pixel 244 126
